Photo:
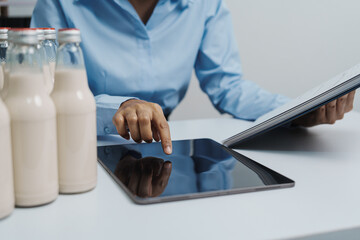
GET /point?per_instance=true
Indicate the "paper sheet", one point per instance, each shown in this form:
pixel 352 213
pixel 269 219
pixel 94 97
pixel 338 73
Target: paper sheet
pixel 313 93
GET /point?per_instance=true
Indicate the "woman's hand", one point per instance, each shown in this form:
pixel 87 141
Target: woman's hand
pixel 329 113
pixel 145 121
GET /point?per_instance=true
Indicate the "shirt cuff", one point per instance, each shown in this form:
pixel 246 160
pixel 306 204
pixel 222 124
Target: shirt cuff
pixel 106 107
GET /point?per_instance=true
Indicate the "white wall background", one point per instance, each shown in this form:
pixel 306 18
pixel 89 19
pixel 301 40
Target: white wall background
pixel 20 8
pixel 287 47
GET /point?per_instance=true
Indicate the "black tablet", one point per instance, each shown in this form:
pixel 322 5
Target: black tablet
pixel 196 169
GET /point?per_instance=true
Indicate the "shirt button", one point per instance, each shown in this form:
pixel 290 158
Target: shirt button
pixel 107 130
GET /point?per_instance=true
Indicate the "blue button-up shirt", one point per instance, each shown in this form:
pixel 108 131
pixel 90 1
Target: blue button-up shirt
pixel 126 58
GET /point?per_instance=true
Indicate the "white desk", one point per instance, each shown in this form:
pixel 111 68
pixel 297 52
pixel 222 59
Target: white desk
pixel 324 161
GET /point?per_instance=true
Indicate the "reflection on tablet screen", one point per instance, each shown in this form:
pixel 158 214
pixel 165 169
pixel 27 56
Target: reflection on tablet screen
pixel 197 168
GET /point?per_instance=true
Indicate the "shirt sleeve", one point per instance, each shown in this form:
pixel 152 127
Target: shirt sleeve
pixel 218 69
pixel 48 13
pixel 106 107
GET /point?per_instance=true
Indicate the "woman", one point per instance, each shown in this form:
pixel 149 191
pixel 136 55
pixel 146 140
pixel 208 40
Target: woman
pixel 140 54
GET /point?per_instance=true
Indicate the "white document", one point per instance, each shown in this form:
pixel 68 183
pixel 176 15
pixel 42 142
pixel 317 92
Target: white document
pixel 335 87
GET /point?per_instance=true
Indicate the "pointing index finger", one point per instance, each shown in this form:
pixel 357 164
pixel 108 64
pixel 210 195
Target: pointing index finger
pixel 163 128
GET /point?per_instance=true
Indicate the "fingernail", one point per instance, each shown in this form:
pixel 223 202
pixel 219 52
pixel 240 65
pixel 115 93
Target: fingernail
pixel 167 165
pixel 168 150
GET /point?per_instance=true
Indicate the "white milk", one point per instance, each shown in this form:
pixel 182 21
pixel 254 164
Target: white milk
pixel 4 90
pixel 7 201
pixel 34 146
pixel 76 122
pixel 48 78
pixel 2 76
pixel 52 69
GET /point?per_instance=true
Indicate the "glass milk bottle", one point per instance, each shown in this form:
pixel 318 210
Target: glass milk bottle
pixel 50 46
pixel 76 117
pixel 3 48
pixel 33 124
pixel 6 68
pixel 48 78
pixel 7 200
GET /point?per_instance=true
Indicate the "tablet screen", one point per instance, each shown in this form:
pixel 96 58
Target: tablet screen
pixel 196 168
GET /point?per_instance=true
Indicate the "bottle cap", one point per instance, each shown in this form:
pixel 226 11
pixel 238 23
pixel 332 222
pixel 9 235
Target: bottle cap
pixel 4 33
pixel 49 33
pixel 24 36
pixel 11 33
pixel 40 34
pixel 69 35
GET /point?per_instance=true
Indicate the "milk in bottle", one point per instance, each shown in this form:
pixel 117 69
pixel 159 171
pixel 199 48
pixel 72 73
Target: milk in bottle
pixel 3 48
pixel 33 124
pixel 7 200
pixel 76 117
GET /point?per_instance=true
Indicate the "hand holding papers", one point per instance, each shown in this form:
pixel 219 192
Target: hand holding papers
pixel 316 97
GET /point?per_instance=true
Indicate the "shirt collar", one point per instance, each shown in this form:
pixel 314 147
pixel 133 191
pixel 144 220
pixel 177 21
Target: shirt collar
pixel 166 4
pixel 184 3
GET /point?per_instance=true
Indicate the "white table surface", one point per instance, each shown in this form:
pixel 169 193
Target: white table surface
pixel 324 162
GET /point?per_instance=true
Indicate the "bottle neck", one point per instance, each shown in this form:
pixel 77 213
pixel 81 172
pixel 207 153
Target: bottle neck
pixel 25 58
pixel 8 57
pixel 25 70
pixel 69 55
pixel 70 73
pixel 50 49
pixel 51 42
pixel 3 48
pixel 4 43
